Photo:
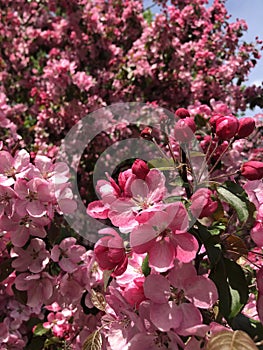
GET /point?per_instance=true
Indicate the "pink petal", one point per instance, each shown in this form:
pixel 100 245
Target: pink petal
pixel 201 291
pixel 166 316
pixel 191 318
pixel 36 209
pixel 67 265
pixel 180 273
pixel 67 206
pixel 186 246
pixel 157 288
pixel 20 237
pixel 156 183
pixel 97 210
pixel 161 256
pixel 142 238
pixel 139 188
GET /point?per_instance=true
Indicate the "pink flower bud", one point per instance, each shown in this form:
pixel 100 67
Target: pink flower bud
pixel 184 130
pixel 110 252
pixel 213 120
pixel 226 127
pixel 202 203
pixel 252 170
pixel 182 113
pixel 140 169
pixel 246 127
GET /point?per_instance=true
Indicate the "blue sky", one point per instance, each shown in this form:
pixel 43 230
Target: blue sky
pixel 252 12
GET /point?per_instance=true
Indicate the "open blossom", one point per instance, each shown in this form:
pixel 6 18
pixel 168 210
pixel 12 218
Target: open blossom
pixel 68 255
pixel 121 204
pixel 33 197
pixel 168 307
pixel 162 234
pixel 260 293
pixel 11 166
pixel 256 232
pixel 34 258
pixel 39 287
pixel 21 228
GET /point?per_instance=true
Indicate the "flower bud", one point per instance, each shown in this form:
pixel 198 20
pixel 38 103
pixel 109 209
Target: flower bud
pixel 182 113
pixel 246 127
pixel 110 252
pixel 252 170
pixel 184 130
pixel 202 203
pixel 213 120
pixel 226 127
pixel 140 169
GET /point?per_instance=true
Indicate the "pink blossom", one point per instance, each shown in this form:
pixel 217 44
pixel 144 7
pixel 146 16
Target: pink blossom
pixel 162 234
pixel 39 287
pixel 10 166
pixel 21 228
pixel 68 254
pixel 35 258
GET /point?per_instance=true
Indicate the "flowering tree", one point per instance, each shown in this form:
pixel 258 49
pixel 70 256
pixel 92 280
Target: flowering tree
pixel 179 263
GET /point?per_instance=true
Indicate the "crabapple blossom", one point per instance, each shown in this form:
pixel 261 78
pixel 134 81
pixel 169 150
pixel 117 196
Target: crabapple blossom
pixel 68 255
pixel 34 258
pixel 162 234
pixel 39 287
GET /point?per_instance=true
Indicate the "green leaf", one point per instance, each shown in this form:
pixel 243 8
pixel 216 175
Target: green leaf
pixel 211 243
pixel 232 287
pixel 146 270
pixel 148 16
pixel 40 330
pixel 161 164
pixel 238 204
pixel 173 199
pixel 51 341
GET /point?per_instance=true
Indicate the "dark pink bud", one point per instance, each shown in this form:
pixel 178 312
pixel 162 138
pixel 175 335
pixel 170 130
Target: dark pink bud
pixel 202 203
pixel 110 253
pixel 246 127
pixel 140 169
pixel 182 113
pixel 226 127
pixel 213 120
pixel 252 170
pixel 184 130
